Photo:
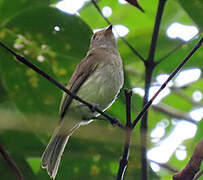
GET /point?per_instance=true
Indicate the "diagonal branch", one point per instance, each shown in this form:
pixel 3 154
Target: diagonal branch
pixel 93 108
pixel 198 175
pixel 122 38
pixel 146 107
pixel 183 95
pixel 11 163
pixel 193 166
pixel 172 112
pixel 180 45
pixel 165 166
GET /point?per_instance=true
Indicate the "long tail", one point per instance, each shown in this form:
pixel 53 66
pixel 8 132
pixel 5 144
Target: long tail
pixel 52 155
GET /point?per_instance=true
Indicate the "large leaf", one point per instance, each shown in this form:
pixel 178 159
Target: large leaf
pixel 9 10
pixel 56 51
pixel 194 9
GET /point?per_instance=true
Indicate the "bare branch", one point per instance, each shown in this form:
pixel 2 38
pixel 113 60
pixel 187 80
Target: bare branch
pixel 11 163
pixel 128 95
pixel 122 38
pixel 180 45
pixel 198 175
pixel 112 120
pixel 149 66
pixel 165 166
pixel 156 30
pixel 126 150
pixel 172 112
pixel 193 165
pixel 182 94
pixel 146 107
pixel 136 4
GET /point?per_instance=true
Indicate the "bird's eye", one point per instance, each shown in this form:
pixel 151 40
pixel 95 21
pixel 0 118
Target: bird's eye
pixel 94 36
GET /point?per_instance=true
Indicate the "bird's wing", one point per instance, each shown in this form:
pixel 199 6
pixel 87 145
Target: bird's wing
pixel 83 70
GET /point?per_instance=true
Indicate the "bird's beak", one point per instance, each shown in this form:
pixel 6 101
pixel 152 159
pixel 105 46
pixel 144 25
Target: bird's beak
pixel 109 29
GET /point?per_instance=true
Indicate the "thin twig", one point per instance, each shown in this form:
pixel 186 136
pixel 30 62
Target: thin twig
pixel 93 108
pixel 122 38
pixel 166 82
pixel 11 163
pixel 165 166
pixel 128 132
pixel 198 175
pixel 185 96
pixel 148 104
pixel 180 45
pixel 172 112
pixel 155 34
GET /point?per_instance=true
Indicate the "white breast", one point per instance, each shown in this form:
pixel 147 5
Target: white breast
pixel 102 87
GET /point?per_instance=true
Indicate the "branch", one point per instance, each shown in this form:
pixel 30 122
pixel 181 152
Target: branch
pixel 193 165
pixel 146 107
pixel 198 175
pixel 124 160
pixel 93 108
pixel 182 94
pixel 180 45
pixel 156 30
pixel 172 112
pixel 128 132
pixel 149 66
pixel 11 163
pixel 122 38
pixel 128 95
pixel 165 166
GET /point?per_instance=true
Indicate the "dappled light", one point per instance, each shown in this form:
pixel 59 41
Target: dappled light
pixel 57 28
pixel 122 1
pixel 165 148
pixel 183 32
pixel 197 96
pixel 120 30
pixel 107 11
pixel 196 113
pixel 161 78
pixel 181 153
pixel 55 36
pixel 69 6
pixel 187 76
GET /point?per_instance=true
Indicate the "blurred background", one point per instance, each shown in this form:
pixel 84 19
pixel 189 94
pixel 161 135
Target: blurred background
pixel 55 36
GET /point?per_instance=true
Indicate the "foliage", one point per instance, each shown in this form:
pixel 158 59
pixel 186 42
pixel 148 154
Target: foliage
pixel 29 103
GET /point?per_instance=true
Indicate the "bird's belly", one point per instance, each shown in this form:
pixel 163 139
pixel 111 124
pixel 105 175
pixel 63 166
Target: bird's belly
pixel 100 89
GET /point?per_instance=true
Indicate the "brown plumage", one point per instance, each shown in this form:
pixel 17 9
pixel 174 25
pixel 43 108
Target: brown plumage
pixel 97 79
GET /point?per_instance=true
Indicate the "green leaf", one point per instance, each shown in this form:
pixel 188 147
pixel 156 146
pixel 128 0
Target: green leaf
pixel 10 9
pixel 55 52
pixel 194 9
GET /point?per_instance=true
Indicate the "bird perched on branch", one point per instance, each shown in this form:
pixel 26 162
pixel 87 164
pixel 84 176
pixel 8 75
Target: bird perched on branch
pixel 97 79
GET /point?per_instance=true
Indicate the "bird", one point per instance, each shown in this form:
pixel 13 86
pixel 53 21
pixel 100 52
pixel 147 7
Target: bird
pixel 97 79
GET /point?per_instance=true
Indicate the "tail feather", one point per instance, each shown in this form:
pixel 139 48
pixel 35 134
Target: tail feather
pixel 52 155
